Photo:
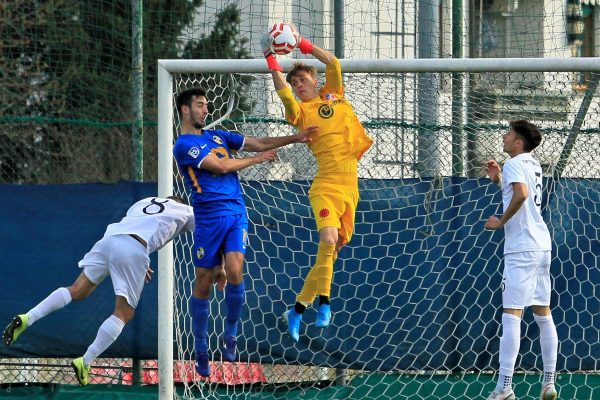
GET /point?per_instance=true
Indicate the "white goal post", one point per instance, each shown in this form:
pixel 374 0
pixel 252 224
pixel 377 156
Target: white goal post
pixel 167 131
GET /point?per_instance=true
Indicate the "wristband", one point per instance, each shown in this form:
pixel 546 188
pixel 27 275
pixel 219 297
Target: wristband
pixel 305 46
pixel 272 63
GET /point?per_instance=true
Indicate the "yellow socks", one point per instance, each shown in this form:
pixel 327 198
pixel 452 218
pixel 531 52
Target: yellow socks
pixel 318 280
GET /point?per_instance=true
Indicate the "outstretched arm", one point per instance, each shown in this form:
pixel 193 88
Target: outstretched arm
pixel 283 90
pixel 221 166
pixel 306 47
pixel 267 143
pixel 333 71
pixel 278 80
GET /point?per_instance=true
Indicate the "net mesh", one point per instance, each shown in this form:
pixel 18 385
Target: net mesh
pixel 67 113
pixel 416 292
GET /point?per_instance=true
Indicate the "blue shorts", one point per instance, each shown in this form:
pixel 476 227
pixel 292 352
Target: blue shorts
pixel 216 236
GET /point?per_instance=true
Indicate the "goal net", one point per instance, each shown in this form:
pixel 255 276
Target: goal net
pixel 416 294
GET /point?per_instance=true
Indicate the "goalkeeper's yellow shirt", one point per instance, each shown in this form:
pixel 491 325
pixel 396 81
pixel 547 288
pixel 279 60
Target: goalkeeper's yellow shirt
pixel 341 140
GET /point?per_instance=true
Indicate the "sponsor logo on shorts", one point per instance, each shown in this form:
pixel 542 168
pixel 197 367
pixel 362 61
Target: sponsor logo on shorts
pixel 200 253
pixel 244 239
pixel 217 140
pixel 194 152
pixel 324 213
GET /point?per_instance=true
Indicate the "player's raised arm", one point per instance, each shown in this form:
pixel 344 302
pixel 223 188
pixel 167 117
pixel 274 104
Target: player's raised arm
pixel 306 47
pixel 221 166
pixel 267 143
pixel 272 63
pixel 333 71
pixel 283 90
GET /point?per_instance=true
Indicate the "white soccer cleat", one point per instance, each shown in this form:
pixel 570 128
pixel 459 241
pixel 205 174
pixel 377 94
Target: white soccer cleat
pixel 506 394
pixel 548 392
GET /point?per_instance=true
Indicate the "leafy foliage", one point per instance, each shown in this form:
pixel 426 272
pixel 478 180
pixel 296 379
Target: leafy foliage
pixel 65 73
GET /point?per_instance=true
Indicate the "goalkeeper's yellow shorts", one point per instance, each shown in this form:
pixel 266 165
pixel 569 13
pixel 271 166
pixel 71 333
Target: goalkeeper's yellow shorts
pixel 334 201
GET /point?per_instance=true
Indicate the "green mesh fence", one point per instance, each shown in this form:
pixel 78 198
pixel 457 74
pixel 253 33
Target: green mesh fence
pixel 69 73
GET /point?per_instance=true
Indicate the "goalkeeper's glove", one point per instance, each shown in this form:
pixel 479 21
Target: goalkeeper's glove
pixel 305 45
pixel 265 44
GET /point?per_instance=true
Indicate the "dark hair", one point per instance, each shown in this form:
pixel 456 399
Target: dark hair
pixel 300 67
pixel 178 199
pixel 186 97
pixel 531 135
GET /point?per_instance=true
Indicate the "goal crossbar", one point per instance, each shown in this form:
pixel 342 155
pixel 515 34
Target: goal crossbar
pixel 391 66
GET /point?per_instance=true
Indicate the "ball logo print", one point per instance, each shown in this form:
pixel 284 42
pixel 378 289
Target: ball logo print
pixel 284 38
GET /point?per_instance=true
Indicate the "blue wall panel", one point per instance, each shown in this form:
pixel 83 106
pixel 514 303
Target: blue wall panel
pixel 418 286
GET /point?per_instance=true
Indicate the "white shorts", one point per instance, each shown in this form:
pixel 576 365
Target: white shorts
pixel 125 259
pixel 526 279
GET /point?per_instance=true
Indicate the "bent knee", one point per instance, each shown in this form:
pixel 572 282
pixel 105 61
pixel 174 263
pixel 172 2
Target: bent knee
pixel 78 292
pixel 328 242
pixel 330 239
pixel 126 316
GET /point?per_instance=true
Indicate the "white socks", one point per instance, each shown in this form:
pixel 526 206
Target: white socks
pixel 55 301
pixel 509 349
pixel 510 343
pixel 504 383
pixel 109 331
pixel 549 345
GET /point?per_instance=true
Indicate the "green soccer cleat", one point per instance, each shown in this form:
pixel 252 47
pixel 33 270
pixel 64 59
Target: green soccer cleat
pixel 81 371
pixel 15 328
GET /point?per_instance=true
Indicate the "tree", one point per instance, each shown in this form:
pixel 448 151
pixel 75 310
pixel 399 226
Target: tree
pixel 65 88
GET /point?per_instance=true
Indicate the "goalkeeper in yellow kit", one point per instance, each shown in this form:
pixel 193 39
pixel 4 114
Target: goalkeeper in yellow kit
pixel 338 144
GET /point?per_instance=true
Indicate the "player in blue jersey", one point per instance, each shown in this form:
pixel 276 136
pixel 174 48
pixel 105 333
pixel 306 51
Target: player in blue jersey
pixel 205 160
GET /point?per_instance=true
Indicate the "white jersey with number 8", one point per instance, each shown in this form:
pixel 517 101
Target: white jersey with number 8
pixel 526 230
pixel 156 220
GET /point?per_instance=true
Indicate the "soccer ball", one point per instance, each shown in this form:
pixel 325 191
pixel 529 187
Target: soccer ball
pixel 284 38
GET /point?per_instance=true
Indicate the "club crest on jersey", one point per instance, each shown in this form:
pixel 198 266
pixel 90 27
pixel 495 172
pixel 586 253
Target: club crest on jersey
pixel 324 213
pixel 194 152
pixel 217 140
pixel 325 111
pixel 200 253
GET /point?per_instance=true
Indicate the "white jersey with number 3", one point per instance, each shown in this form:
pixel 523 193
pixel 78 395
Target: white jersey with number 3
pixel 526 230
pixel 156 220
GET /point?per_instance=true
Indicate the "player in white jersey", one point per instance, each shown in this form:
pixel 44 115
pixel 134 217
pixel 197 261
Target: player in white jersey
pixel 123 253
pixel 526 276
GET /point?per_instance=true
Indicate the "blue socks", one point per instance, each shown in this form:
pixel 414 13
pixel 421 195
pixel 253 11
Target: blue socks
pixel 234 298
pixel 200 310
